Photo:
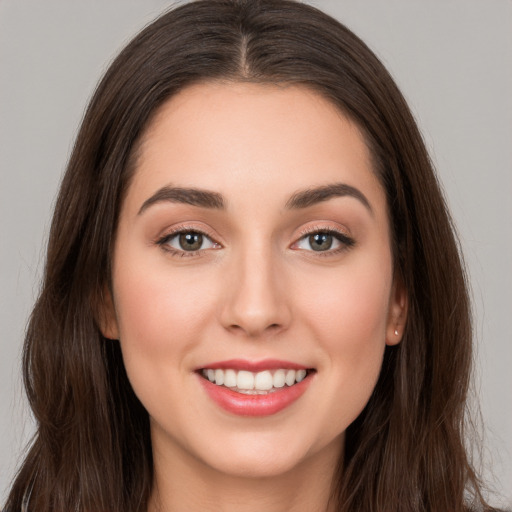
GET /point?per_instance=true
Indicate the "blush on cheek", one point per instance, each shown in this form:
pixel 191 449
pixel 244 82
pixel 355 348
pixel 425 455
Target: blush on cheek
pixel 160 311
pixel 356 310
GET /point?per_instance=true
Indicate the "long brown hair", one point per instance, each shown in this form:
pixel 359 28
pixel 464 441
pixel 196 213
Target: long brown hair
pixel 92 448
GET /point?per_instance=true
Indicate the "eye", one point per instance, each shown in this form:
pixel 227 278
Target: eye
pixel 187 241
pixel 324 241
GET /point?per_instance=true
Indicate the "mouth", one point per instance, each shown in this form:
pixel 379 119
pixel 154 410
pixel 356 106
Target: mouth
pixel 255 383
pixel 255 389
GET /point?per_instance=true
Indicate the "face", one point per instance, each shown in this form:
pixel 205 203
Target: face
pixel 253 290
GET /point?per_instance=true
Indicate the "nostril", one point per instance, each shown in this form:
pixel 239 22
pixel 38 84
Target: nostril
pixel 255 329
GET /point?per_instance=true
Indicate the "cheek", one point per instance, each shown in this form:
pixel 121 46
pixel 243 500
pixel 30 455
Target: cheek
pixel 351 307
pixel 156 309
pixel 162 318
pixel 347 314
pixel 161 315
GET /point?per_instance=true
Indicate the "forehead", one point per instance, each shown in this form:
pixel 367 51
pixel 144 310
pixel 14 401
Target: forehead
pixel 235 137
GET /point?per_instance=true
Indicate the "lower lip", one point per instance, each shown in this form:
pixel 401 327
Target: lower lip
pixel 255 405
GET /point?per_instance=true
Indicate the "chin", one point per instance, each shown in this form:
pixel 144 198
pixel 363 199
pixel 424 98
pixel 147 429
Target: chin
pixel 268 457
pixel 258 465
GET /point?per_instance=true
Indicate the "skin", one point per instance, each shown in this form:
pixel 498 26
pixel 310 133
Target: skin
pixel 256 291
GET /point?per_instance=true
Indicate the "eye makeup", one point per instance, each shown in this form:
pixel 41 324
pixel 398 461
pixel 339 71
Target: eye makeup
pixel 321 240
pixel 189 241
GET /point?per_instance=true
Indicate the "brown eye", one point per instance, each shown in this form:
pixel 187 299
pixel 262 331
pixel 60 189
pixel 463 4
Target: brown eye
pixel 328 241
pixel 191 241
pixel 187 242
pixel 320 241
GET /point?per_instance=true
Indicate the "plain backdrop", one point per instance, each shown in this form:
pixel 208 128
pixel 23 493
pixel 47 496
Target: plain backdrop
pixel 451 58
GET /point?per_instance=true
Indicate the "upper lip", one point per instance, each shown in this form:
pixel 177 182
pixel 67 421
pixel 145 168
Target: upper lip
pixel 254 366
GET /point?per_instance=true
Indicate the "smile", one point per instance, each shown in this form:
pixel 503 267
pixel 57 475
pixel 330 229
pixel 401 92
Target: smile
pixel 255 389
pixel 251 383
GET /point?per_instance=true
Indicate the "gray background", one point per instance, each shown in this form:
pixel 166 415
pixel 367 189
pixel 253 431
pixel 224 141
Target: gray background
pixel 453 61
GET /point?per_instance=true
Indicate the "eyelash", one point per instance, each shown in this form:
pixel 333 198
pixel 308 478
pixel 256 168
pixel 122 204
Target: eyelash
pixel 345 241
pixel 165 239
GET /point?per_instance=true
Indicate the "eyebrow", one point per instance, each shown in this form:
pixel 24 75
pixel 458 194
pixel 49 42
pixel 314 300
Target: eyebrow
pixel 313 196
pixel 192 196
pixel 209 199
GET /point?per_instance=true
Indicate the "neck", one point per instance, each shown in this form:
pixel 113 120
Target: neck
pixel 185 483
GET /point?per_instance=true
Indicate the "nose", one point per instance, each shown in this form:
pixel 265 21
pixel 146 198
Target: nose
pixel 256 303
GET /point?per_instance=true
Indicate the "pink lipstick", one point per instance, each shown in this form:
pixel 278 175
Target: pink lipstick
pixel 254 388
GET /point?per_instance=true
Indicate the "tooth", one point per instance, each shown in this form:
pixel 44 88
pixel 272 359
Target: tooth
pixel 263 381
pixel 219 377
pixel 300 375
pixel 290 378
pixel 245 380
pixel 230 378
pixel 278 379
pixel 252 392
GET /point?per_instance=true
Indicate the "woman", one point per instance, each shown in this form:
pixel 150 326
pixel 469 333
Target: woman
pixel 253 294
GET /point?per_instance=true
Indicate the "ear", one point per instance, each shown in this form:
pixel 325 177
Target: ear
pixel 397 313
pixel 106 315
